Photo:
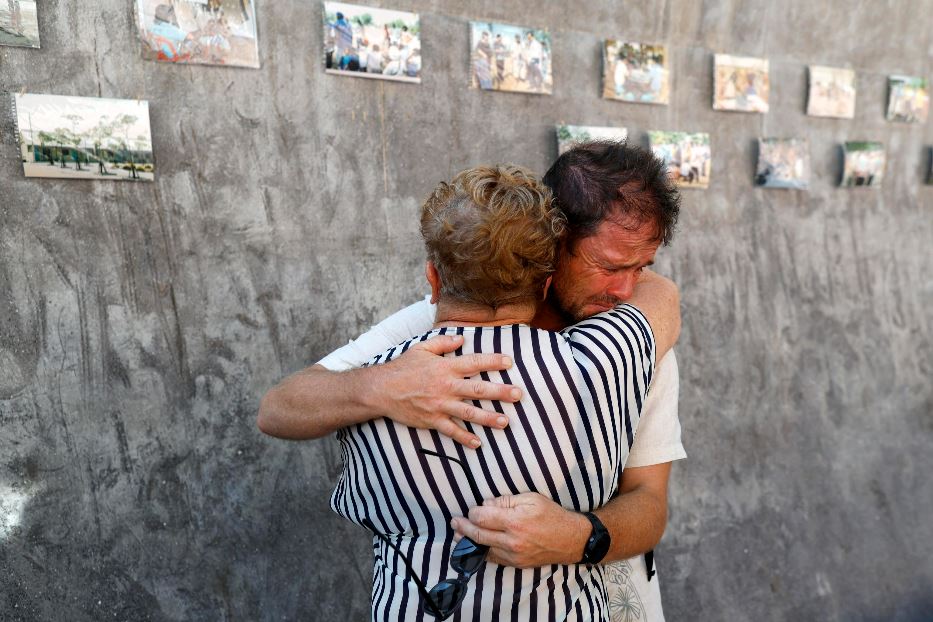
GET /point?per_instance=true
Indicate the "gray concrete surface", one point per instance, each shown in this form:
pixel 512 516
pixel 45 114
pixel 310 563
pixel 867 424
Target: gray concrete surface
pixel 140 324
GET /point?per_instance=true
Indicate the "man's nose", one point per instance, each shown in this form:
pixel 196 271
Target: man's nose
pixel 623 286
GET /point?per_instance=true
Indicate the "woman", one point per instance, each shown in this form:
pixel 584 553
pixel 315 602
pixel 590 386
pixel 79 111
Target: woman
pixel 492 237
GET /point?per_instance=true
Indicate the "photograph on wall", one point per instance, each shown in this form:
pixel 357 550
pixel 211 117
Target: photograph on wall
pixel 831 93
pixel 570 135
pixel 783 163
pixel 84 137
pixel 864 164
pixel 19 23
pixel 687 156
pixel 635 72
pixel 510 58
pixel 908 99
pixel 202 32
pixel 740 83
pixel 367 42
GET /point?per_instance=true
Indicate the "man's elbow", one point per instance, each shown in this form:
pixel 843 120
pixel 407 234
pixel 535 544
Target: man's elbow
pixel 267 421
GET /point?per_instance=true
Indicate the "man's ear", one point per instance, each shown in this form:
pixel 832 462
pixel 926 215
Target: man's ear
pixel 547 286
pixel 434 279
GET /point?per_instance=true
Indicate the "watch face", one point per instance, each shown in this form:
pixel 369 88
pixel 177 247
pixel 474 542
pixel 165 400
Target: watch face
pixel 598 543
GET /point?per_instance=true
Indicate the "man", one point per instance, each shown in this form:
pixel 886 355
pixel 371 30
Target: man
pixel 343 38
pixel 620 207
pixel 534 54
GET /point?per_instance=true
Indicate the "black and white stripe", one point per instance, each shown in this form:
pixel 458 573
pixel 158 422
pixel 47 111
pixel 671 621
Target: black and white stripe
pixel 568 439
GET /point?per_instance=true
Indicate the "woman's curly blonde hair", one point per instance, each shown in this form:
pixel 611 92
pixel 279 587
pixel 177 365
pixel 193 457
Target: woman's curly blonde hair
pixel 492 233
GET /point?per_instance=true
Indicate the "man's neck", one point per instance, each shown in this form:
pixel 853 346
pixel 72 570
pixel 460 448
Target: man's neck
pixel 452 313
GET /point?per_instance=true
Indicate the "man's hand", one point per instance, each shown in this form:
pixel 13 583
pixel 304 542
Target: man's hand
pixel 422 389
pixel 526 530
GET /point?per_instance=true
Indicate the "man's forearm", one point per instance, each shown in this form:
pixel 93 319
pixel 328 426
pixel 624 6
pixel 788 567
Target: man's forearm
pixel 636 522
pixel 316 402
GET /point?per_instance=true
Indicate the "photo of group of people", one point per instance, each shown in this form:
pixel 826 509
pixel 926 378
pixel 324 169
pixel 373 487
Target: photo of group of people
pixel 570 135
pixel 84 137
pixel 19 23
pixel 635 72
pixel 203 32
pixel 909 100
pixel 366 42
pixel 740 83
pixel 510 58
pixel 687 156
pixel 831 93
pixel 864 164
pixel 783 163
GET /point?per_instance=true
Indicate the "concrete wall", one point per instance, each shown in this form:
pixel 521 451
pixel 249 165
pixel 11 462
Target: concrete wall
pixel 140 324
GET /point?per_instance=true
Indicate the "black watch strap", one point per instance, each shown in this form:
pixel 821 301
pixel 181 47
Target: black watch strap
pixel 597 545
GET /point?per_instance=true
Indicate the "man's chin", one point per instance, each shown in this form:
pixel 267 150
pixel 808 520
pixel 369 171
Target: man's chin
pixel 593 308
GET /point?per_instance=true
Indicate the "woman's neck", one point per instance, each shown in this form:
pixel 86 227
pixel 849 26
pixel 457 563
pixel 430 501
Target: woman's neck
pixel 455 313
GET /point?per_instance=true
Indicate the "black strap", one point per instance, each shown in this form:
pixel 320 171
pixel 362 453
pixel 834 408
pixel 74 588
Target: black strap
pixel 649 564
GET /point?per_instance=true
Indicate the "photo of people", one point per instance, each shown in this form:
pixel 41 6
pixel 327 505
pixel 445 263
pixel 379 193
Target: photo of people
pixel 783 163
pixel 687 156
pixel 510 58
pixel 740 83
pixel 909 99
pixel 367 42
pixel 84 137
pixel 203 32
pixel 832 92
pixel 864 164
pixel 635 72
pixel 19 23
pixel 570 135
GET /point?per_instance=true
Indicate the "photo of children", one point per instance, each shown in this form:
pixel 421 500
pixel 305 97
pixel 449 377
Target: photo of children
pixel 909 99
pixel 570 135
pixel 740 83
pixel 203 32
pixel 864 164
pixel 783 163
pixel 510 58
pixel 832 92
pixel 635 72
pixel 367 42
pixel 687 156
pixel 19 23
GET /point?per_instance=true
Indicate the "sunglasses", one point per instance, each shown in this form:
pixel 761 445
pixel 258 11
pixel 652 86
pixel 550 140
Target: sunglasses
pixel 442 600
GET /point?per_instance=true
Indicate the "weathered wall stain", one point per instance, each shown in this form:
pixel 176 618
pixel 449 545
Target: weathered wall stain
pixel 140 324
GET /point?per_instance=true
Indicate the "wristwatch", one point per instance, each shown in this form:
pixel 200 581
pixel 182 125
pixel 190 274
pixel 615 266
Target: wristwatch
pixel 597 545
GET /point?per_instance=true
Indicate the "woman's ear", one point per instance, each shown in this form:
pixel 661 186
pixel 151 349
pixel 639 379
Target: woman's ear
pixel 434 279
pixel 547 286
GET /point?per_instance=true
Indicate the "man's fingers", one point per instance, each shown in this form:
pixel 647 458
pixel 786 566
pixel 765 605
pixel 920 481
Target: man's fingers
pixel 442 344
pixel 477 416
pixel 448 428
pixel 472 364
pixel 479 535
pixel 476 389
pixel 489 517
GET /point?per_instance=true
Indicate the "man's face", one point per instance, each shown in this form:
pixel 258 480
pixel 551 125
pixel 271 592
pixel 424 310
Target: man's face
pixel 602 270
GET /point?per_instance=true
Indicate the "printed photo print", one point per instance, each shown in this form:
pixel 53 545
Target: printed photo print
pixel 740 83
pixel 19 23
pixel 510 58
pixel 635 72
pixel 570 135
pixel 783 163
pixel 203 32
pixel 687 156
pixel 908 100
pixel 832 92
pixel 367 42
pixel 84 137
pixel 864 164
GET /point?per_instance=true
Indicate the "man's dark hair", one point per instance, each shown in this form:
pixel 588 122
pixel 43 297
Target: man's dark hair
pixel 600 180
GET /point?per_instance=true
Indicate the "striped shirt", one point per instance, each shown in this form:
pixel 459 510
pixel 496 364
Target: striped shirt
pixel 568 439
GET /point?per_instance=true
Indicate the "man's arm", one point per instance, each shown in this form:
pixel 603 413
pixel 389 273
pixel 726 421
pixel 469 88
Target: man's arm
pixel 419 389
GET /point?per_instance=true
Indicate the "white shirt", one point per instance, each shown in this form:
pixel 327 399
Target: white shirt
pixel 657 441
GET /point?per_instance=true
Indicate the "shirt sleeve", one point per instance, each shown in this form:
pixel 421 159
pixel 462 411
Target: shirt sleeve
pixel 657 438
pixel 413 320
